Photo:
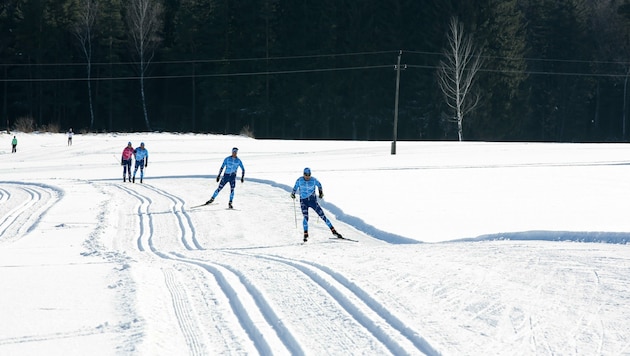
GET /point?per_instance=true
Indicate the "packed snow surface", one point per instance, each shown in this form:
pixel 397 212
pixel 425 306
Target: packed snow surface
pixel 463 248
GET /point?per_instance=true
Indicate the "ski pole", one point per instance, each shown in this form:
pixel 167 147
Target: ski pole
pixel 294 213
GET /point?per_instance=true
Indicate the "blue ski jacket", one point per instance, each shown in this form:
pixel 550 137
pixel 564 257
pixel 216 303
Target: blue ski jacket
pixel 141 153
pixel 231 165
pixel 306 187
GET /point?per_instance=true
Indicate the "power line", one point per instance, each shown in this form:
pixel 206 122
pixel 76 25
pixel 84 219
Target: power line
pixel 315 70
pixel 240 74
pixel 533 72
pixel 316 56
pixel 532 59
pixel 205 61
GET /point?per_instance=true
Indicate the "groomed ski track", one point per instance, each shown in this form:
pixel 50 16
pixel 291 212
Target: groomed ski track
pixel 240 277
pixel 212 281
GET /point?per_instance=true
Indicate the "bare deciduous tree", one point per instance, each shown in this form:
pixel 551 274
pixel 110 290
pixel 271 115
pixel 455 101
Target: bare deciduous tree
pixel 456 74
pixel 83 29
pixel 144 22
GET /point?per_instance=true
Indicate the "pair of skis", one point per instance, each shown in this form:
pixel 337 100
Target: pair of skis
pixel 337 236
pixel 204 204
pixel 199 206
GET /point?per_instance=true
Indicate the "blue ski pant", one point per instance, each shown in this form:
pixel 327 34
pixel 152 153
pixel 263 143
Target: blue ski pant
pixel 311 202
pixel 227 178
pixel 139 164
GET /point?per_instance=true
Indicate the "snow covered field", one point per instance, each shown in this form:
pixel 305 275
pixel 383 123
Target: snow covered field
pixel 464 249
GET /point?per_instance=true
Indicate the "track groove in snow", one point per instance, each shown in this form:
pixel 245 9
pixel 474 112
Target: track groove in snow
pixel 145 217
pixel 263 307
pixel 93 268
pixel 185 316
pixel 187 227
pixel 244 300
pixel 364 309
pixel 256 315
pixel 22 206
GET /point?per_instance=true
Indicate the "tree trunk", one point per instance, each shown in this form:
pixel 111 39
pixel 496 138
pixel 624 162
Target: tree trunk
pixel 456 74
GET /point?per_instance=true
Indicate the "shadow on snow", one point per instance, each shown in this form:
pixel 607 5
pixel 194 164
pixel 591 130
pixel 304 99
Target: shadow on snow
pixel 359 224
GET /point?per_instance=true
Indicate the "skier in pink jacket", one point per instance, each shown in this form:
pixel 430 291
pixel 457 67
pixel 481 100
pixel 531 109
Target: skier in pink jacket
pixel 125 161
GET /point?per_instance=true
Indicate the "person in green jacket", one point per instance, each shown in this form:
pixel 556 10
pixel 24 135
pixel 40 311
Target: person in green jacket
pixel 14 145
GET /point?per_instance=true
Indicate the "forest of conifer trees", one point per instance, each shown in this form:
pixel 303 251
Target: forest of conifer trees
pixel 551 70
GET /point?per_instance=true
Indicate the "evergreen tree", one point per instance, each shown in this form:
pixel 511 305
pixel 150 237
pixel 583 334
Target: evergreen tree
pixel 502 35
pixel 113 96
pixel 558 33
pixel 9 14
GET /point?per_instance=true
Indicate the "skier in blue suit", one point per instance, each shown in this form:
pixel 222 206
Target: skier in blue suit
pixel 306 186
pixel 231 165
pixel 142 160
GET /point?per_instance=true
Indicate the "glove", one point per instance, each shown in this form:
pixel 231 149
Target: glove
pixel 218 178
pixel 146 164
pixel 321 194
pixel 292 195
pixel 242 179
pixel 122 163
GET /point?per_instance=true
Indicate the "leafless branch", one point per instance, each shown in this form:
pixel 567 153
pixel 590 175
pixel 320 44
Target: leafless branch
pixel 456 73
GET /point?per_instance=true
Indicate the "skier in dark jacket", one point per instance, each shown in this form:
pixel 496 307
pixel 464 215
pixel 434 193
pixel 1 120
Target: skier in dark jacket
pixel 231 165
pixel 306 186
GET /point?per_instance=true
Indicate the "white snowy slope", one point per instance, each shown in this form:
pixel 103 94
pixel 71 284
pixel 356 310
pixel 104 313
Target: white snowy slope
pixel 463 249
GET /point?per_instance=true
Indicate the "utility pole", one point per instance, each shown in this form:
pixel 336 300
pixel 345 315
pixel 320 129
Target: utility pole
pixel 397 68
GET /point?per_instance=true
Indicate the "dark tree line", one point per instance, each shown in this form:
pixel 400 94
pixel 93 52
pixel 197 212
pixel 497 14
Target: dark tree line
pixel 552 70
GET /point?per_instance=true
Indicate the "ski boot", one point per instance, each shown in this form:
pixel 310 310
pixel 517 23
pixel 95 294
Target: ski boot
pixel 305 236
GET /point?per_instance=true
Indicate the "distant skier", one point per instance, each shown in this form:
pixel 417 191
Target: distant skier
pixel 142 160
pixel 306 186
pixel 14 145
pixel 231 164
pixel 70 134
pixel 125 161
